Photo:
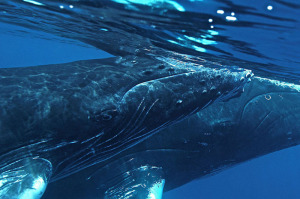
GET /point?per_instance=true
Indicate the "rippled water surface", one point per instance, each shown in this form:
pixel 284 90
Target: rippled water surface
pixel 259 35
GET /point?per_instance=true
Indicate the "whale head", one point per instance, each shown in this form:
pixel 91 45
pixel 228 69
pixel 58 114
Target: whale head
pixel 152 105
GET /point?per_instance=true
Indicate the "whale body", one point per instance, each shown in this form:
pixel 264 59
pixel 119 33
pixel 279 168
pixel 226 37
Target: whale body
pixel 59 119
pixel 262 120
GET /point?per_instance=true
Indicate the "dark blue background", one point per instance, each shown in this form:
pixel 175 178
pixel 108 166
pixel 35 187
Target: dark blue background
pixel 275 176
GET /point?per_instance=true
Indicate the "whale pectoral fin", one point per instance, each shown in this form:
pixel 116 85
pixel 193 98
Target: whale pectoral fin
pixel 25 179
pixel 145 182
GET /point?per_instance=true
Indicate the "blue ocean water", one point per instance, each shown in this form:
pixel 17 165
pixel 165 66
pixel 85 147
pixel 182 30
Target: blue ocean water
pixel 261 35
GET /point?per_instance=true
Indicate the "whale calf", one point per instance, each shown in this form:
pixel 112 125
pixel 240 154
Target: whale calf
pixel 59 119
pixel 262 120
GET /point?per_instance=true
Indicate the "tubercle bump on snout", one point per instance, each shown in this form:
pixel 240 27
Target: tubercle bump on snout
pixel 248 75
pixel 244 78
pixel 240 79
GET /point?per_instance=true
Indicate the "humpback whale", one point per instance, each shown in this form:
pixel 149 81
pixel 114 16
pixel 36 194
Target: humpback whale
pixel 59 119
pixel 262 120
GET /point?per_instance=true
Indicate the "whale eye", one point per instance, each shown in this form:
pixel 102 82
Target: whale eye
pixel 147 72
pixel 106 117
pixel 108 114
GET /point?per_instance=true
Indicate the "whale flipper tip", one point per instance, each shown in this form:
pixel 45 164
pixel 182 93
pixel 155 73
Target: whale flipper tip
pixel 25 179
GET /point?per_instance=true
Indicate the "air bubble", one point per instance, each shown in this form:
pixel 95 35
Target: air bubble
pixel 268 97
pixel 220 12
pixel 270 7
pixel 179 101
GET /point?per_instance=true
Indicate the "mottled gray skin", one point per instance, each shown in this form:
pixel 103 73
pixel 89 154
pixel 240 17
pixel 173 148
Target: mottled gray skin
pixel 264 119
pixel 79 114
